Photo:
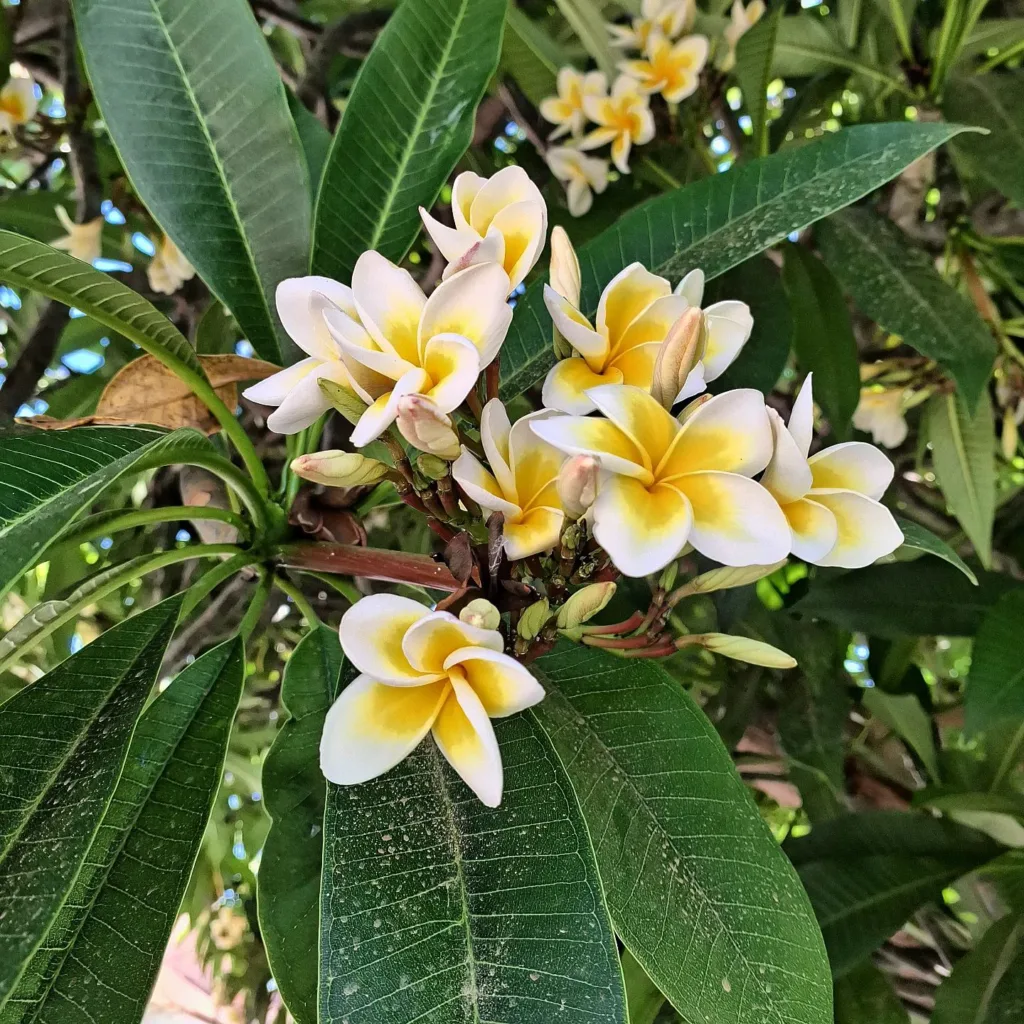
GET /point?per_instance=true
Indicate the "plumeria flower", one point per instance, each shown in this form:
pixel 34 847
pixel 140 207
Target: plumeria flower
pixel 566 109
pixel 168 270
pixel 830 499
pixel 422 672
pixel 301 302
pixel 402 343
pixel 673 69
pixel 741 21
pixel 18 103
pixel 583 176
pixel 667 17
pixel 634 315
pixel 624 119
pixel 669 482
pixel 522 483
pixel 880 414
pixel 502 219
pixel 83 241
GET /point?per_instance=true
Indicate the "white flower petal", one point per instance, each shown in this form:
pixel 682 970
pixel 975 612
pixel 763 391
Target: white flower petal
pixel 384 411
pixel 627 296
pixel 867 530
pixel 390 304
pixel 567 383
pixel 429 642
pixel 464 735
pixel 585 435
pixel 371 633
pixel 691 287
pixel 813 528
pixel 853 466
pixel 472 304
pixel 464 190
pixel 801 419
pixel 479 485
pixel 576 329
pixel 275 389
pixel 302 321
pixel 788 476
pixel 728 326
pixel 503 685
pixel 453 364
pixel 495 431
pixel 451 242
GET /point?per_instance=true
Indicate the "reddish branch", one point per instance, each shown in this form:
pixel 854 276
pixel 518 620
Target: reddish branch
pixel 372 563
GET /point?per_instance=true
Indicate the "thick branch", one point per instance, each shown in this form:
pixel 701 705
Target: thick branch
pixel 373 563
pixel 34 359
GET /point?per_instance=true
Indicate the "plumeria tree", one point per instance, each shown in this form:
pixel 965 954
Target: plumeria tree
pixel 494 500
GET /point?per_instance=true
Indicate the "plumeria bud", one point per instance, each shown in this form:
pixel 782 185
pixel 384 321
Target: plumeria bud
pixel 728 577
pixel 584 605
pixel 668 577
pixel 577 484
pixel 1009 436
pixel 339 469
pixel 481 613
pixel 431 466
pixel 740 648
pixel 564 271
pixel 534 619
pixel 425 427
pixel 343 399
pixel 678 354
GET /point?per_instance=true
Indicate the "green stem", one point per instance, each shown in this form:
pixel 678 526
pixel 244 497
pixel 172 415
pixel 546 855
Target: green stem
pixel 209 580
pixel 104 523
pixel 660 173
pixel 239 482
pixel 298 599
pixel 255 610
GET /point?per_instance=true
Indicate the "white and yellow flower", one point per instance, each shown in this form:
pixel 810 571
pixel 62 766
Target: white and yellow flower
pixel 672 69
pixel 566 109
pixel 83 241
pixel 168 270
pixel 624 119
pixel 502 219
pixel 665 17
pixel 635 313
pixel 583 176
pixel 522 482
pixel 741 21
pixel 402 343
pixel 295 391
pixel 881 414
pixel 422 672
pixel 830 499
pixel 18 103
pixel 670 482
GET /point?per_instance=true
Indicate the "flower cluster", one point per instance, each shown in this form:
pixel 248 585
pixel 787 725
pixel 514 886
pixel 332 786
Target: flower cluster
pixel 610 477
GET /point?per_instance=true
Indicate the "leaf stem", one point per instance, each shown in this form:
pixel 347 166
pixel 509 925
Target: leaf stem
pixel 259 599
pixel 298 598
pixel 102 524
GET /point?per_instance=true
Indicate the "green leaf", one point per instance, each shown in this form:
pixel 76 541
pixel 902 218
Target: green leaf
pixel 823 335
pixel 100 958
pixel 217 333
pixel 722 220
pixel 47 477
pixel 531 56
pixel 866 874
pixel 897 285
pixel 987 985
pixel 315 139
pixel 864 996
pixel 806 45
pixel 294 792
pixel 64 740
pixel 995 686
pixel 586 19
pixel 407 122
pixel 25 263
pixel 903 714
pixel 436 908
pixel 920 598
pixel 755 53
pixel 963 454
pixel 995 102
pixel 697 887
pixel 203 130
pixel 643 998
pixel 918 538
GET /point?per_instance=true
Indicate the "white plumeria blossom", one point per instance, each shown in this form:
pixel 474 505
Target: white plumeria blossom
pixel 583 176
pixel 402 343
pixel 672 69
pixel 301 302
pixel 18 103
pixel 666 17
pixel 566 109
pixel 624 119
pixel 522 482
pixel 422 672
pixel 670 482
pixel 830 500
pixel 168 270
pixel 881 414
pixel 741 21
pixel 502 219
pixel 83 241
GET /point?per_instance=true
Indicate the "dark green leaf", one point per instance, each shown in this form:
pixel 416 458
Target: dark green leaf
pixel 64 740
pixel 696 884
pixel 902 713
pixel 987 985
pixel 315 139
pixel 995 102
pixel 100 958
pixel 918 538
pixel 995 686
pixel 204 132
pixel 643 998
pixel 47 477
pixel 436 908
pixel 897 285
pixel 217 333
pixel 808 44
pixel 864 996
pixel 963 453
pixel 721 221
pixel 866 874
pixel 920 598
pixel 409 119
pixel 294 791
pixel 531 56
pixel 755 54
pixel 822 335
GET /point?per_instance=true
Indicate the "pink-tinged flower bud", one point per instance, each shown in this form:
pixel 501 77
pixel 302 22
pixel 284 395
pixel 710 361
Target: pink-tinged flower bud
pixel 425 427
pixel 678 355
pixel 564 270
pixel 577 485
pixel 339 469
